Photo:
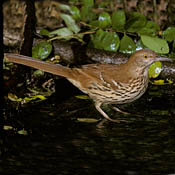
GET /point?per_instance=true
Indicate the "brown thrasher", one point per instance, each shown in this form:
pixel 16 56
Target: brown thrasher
pixel 104 83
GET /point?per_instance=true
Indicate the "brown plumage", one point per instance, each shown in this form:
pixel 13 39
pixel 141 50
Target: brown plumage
pixel 104 83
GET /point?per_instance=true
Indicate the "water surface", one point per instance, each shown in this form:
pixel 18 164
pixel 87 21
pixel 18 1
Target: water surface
pixel 58 144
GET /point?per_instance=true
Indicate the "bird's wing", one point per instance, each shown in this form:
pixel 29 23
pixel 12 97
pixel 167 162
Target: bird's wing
pixel 107 74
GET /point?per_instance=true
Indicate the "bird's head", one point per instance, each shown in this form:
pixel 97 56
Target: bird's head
pixel 145 57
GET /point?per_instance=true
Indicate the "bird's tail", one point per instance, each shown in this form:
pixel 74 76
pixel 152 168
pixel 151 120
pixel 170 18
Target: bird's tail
pixel 56 69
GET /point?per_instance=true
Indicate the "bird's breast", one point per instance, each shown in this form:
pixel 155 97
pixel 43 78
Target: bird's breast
pixel 119 92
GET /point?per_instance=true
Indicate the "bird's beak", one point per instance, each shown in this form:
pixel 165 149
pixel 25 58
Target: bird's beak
pixel 163 59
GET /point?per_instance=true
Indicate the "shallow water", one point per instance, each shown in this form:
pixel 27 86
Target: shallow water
pixel 57 143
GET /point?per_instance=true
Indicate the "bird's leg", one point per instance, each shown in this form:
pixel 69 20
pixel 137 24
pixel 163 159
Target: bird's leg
pixel 97 105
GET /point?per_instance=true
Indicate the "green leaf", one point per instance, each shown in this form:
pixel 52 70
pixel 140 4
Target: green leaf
pixel 88 3
pixel 150 29
pixel 87 14
pixel 41 97
pixel 139 45
pixel 162 82
pixel 97 39
pixel 87 120
pixel 82 97
pixel 105 40
pixel 135 22
pixel 75 13
pixel 64 7
pixel 169 34
pixel 22 132
pixel 174 44
pixel 44 32
pixel 111 41
pixel 61 32
pixel 73 10
pixel 118 20
pixel 7 127
pixel 73 1
pixel 156 44
pixel 38 73
pixel 104 20
pixel 13 97
pixel 70 22
pixel 94 23
pixel 102 4
pixel 41 50
pixel 127 45
pixel 155 69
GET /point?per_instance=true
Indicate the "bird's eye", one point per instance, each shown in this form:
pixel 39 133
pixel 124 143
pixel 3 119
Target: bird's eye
pixel 145 56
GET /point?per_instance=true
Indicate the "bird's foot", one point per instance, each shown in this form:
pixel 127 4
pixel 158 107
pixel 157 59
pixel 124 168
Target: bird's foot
pixel 127 113
pixel 118 110
pixel 106 116
pixel 101 123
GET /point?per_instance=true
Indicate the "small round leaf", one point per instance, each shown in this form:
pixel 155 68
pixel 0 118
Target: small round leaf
pixel 104 20
pixel 156 44
pixel 118 19
pixel 61 32
pixel 169 34
pixel 88 3
pixel 108 41
pixel 42 50
pixel 75 13
pixel 155 69
pixel 127 45
pixel 135 22
pixel 70 22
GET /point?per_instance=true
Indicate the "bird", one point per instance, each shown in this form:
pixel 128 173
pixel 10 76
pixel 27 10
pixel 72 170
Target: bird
pixel 104 83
